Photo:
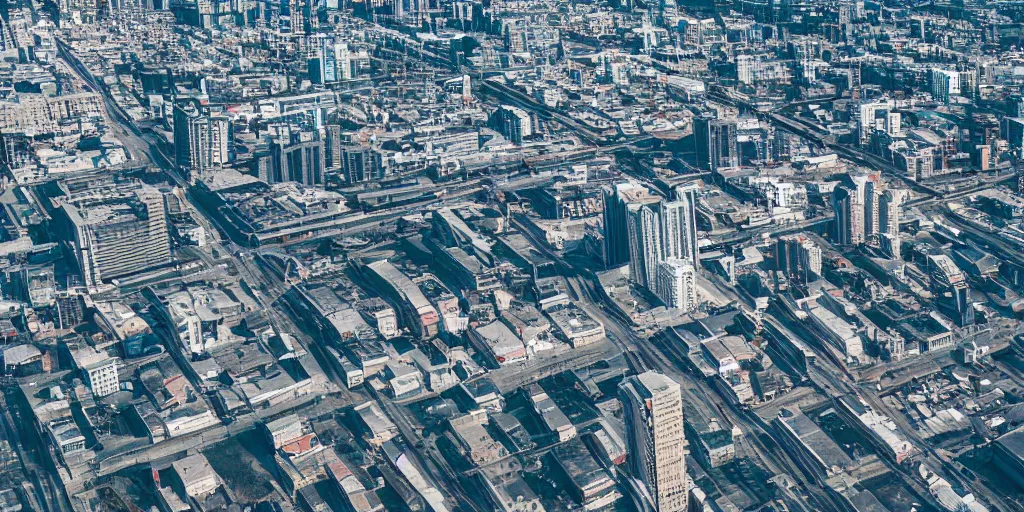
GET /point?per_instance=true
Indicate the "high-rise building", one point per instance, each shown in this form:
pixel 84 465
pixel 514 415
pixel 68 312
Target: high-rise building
pixel 301 162
pixel 849 216
pixel 716 143
pixel 677 287
pixel 867 113
pixel 798 257
pixel 679 226
pixel 745 69
pixel 945 84
pixel 293 152
pixel 891 204
pixel 514 31
pixel 855 204
pixel 643 225
pixel 332 147
pixel 186 113
pixel 951 287
pixel 1012 129
pixel 120 234
pixel 360 163
pixel 872 198
pixel 652 406
pixel 616 234
pixel 202 141
pixel 514 123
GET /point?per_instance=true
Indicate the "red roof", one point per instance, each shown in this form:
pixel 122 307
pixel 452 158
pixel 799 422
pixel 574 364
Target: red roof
pixel 299 445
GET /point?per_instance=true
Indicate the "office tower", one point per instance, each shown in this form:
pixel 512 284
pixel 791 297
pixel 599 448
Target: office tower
pixel 511 122
pixel 652 406
pixel 644 227
pixel 679 226
pixel 359 164
pixel 514 32
pixel 616 234
pixel 798 257
pixel 186 113
pixel 677 287
pixel 119 235
pixel 221 143
pixel 890 206
pixel 323 64
pixel 467 89
pixel 715 143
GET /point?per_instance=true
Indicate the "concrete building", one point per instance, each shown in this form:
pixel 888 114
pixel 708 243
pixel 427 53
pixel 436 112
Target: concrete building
pixel 716 143
pixel 616 232
pixel 514 123
pixel 99 371
pixel 945 84
pixel 555 420
pixel 120 234
pixel 676 286
pixel 197 477
pixel 798 257
pixel 890 208
pixel 202 141
pixel 298 159
pixel 415 311
pixel 643 225
pixel 849 216
pixel 679 226
pixel 653 410
pixel 360 164
pixel 589 484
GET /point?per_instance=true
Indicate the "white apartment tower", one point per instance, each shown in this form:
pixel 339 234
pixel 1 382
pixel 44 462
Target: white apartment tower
pixel 653 409
pixel 679 225
pixel 677 286
pixel 889 211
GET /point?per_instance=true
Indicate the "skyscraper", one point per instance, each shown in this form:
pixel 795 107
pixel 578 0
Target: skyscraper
pixel 891 204
pixel 945 83
pixel 514 123
pixel 202 140
pixel 679 226
pixel 849 216
pixel 616 235
pixel 645 246
pixel 653 410
pixel 950 285
pixel 852 208
pixel 798 257
pixel 716 143
pixel 872 198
